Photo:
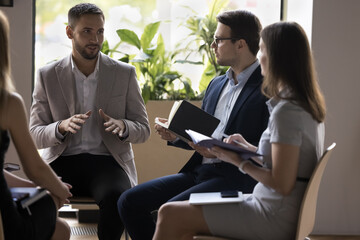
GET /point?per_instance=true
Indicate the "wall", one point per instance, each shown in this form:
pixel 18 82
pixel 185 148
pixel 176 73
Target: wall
pixel 331 25
pixel 21 49
pixel 335 42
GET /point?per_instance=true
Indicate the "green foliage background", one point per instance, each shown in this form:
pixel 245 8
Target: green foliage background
pixel 51 8
pixel 153 62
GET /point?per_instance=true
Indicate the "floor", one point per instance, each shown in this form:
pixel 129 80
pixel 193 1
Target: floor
pixel 82 231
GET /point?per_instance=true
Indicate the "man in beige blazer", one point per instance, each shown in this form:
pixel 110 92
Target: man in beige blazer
pixel 87 110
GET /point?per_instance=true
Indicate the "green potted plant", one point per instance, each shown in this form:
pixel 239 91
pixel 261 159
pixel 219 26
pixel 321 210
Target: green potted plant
pixel 199 40
pixel 158 81
pixel 153 64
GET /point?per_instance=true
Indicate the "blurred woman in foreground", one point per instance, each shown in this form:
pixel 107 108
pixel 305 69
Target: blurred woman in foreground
pixel 18 223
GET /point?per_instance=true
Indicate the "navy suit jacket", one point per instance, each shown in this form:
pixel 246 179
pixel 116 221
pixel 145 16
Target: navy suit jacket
pixel 249 116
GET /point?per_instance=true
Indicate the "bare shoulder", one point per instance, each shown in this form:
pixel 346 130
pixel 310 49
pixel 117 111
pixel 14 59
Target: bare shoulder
pixel 15 101
pixel 13 109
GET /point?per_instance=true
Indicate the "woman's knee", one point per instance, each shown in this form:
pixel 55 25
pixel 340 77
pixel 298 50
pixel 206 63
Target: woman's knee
pixel 168 212
pixel 62 230
pixel 182 217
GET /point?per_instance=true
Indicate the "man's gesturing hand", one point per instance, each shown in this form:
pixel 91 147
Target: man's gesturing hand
pixel 74 123
pixel 113 125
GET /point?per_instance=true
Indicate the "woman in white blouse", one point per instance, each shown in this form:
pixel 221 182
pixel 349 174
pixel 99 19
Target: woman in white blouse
pixel 291 147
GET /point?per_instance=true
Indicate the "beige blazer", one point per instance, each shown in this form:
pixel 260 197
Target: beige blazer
pixel 118 94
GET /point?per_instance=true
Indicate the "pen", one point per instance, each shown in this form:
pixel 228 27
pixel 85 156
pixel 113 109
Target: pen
pixel 235 141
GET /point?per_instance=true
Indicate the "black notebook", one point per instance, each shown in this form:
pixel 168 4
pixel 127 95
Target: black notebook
pixel 25 196
pixel 184 115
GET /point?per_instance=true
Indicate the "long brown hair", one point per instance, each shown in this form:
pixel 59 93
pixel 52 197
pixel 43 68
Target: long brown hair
pixel 291 65
pixel 6 84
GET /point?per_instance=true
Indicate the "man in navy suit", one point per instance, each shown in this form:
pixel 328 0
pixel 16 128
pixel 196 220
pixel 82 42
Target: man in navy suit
pixel 236 99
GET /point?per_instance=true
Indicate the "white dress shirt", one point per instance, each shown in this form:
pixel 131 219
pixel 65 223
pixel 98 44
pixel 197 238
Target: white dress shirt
pixel 88 139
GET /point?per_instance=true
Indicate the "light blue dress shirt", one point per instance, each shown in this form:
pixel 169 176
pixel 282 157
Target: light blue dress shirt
pixel 227 100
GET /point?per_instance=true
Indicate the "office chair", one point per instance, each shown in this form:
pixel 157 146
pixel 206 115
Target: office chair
pixel 308 206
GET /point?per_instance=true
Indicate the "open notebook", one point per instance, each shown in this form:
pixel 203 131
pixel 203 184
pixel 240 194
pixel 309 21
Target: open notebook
pixel 213 198
pixel 184 115
pixel 209 142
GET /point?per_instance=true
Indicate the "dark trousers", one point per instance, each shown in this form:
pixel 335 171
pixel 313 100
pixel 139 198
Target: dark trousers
pixel 136 204
pixel 101 178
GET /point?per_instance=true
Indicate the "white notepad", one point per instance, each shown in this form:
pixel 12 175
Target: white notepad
pixel 213 198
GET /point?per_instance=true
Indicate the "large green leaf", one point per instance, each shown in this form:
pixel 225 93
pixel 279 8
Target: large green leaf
pixel 148 34
pixel 105 47
pixel 141 57
pixel 208 74
pixel 129 37
pixel 216 6
pixel 160 48
pixel 190 62
pixel 124 59
pixel 146 92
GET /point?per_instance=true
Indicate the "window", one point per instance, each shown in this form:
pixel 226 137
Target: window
pixel 51 16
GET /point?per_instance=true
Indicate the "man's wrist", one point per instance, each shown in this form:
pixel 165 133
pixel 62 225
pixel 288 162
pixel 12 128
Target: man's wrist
pixel 60 129
pixel 125 133
pixel 58 133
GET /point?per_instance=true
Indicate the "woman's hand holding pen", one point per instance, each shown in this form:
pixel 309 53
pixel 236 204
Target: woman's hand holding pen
pixel 230 156
pixel 238 139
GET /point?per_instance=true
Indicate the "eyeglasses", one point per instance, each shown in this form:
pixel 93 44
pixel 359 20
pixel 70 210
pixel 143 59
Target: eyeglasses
pixel 217 40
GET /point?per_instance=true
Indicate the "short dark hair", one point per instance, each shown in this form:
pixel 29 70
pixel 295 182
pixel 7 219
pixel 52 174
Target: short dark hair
pixel 244 25
pixel 78 10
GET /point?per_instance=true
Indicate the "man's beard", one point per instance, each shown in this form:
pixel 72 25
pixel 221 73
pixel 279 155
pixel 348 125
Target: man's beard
pixel 84 54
